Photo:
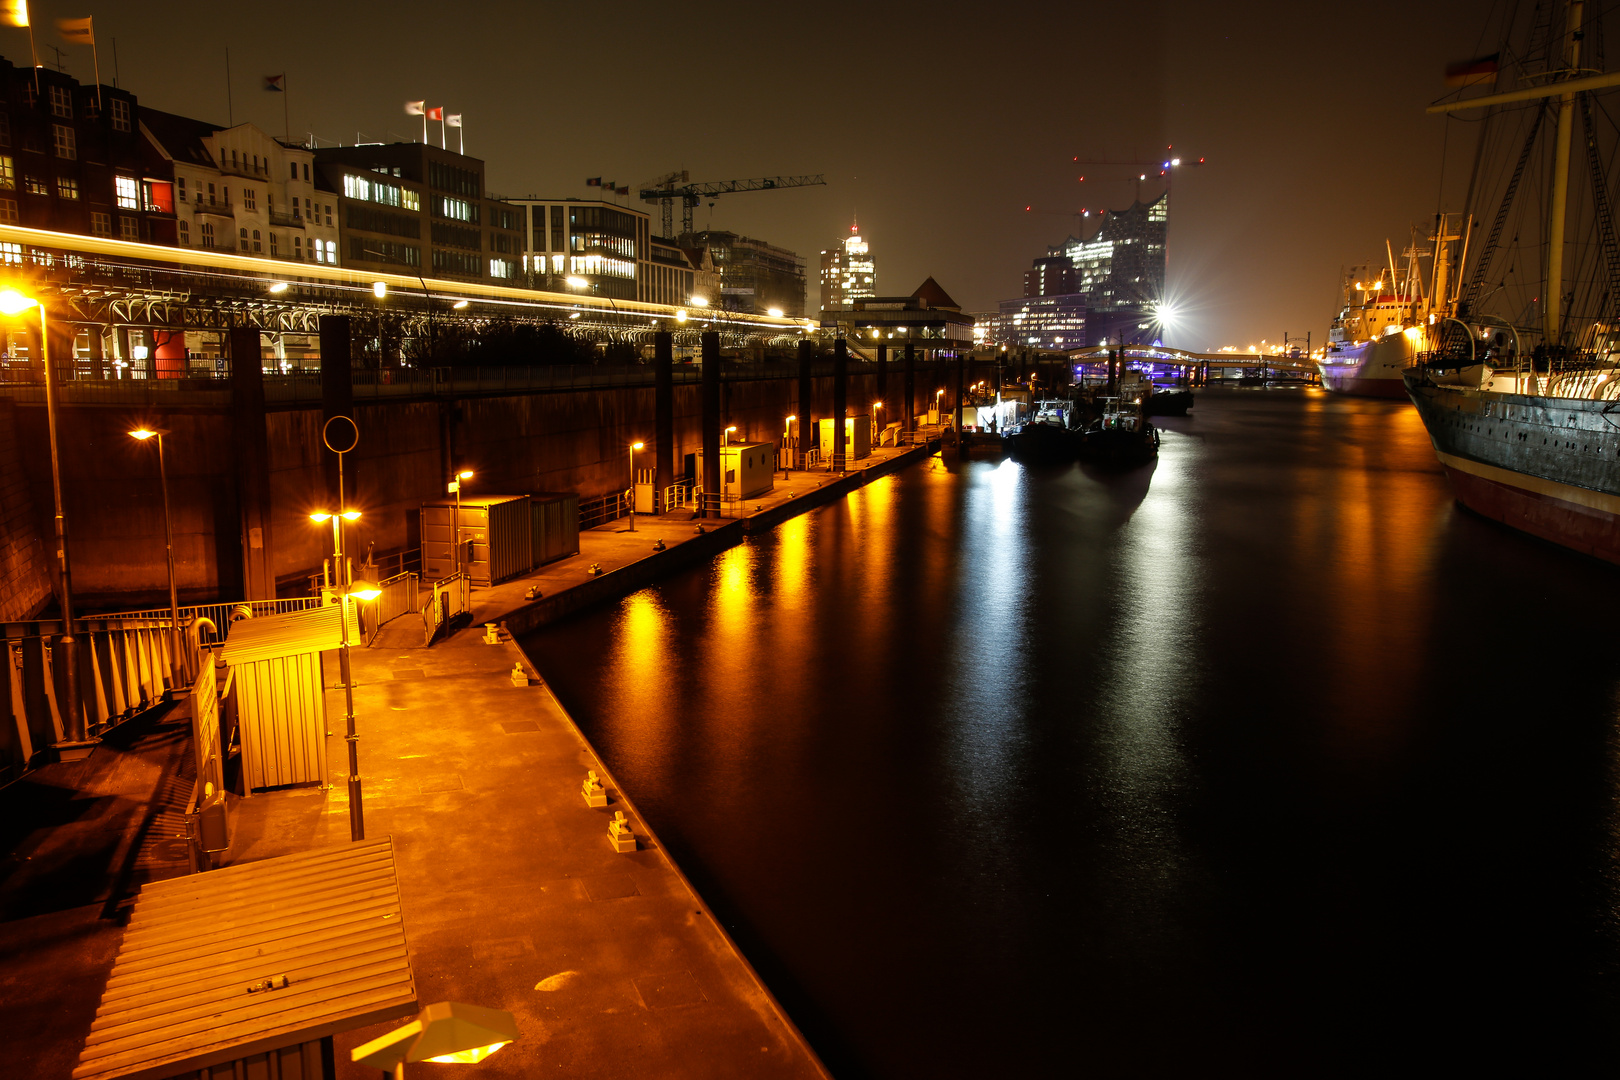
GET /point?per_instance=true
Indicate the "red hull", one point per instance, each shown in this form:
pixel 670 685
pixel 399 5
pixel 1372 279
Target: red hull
pixel 1580 527
pixel 1393 389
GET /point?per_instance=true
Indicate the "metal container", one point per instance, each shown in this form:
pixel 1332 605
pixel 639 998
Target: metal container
pixel 494 536
pixel 555 525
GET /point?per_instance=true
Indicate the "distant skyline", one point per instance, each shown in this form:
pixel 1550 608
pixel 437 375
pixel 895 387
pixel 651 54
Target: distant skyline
pixel 938 131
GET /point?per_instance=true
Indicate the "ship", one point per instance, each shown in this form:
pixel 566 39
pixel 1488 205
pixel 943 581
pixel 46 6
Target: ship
pixel 1521 398
pixel 1379 331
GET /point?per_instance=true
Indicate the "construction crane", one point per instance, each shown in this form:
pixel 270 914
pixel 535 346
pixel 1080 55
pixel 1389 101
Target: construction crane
pixel 1162 168
pixel 666 189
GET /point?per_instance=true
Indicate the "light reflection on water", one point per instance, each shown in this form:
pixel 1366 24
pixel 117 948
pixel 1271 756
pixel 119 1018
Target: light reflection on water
pixel 990 767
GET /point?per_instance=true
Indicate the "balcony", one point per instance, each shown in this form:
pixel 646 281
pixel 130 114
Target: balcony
pixel 286 221
pixel 224 210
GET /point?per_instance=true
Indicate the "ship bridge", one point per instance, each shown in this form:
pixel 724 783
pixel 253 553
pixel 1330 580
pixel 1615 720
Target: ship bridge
pixel 1163 354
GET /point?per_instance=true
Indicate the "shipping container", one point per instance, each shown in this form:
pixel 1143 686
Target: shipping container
pixel 495 537
pixel 554 530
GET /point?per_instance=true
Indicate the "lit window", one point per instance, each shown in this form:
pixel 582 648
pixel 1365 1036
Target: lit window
pixel 11 253
pixel 120 114
pixel 67 187
pixel 128 192
pixel 65 141
pixel 8 172
pixel 128 228
pixel 61 102
pixel 410 200
pixel 357 187
pixel 35 185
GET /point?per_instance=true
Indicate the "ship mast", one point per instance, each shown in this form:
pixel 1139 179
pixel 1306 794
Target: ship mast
pixel 1552 303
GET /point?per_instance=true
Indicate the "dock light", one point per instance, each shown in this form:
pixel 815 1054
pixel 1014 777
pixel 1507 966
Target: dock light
pixel 142 434
pixel 364 590
pixel 576 282
pixel 775 312
pixel 680 316
pixel 446 1032
pixel 699 301
pixel 278 288
pixel 460 305
pixel 464 474
pixel 379 289
pixel 727 434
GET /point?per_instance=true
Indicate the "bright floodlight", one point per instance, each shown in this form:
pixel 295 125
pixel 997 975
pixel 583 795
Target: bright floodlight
pixel 460 304
pixel 636 445
pixel 447 1032
pixel 13 302
pixel 699 301
pixel 279 287
pixel 380 289
pixel 142 434
pixel 320 516
pixel 464 474
pixel 351 515
pixel 575 282
pixel 775 312
pixel 364 590
pixel 680 316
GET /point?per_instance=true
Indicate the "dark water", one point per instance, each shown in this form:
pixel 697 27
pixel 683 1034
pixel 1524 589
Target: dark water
pixel 1269 759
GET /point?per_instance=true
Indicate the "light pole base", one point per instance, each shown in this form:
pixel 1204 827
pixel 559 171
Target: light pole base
pixel 74 751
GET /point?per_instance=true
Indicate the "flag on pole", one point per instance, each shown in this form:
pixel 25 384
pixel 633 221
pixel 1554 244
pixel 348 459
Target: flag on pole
pixel 77 31
pixel 272 83
pixel 415 108
pixel 454 119
pixel 436 113
pixel 621 191
pixel 595 181
pixel 14 12
pixel 1473 72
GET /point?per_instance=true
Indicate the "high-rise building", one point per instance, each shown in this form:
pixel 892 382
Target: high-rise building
pixel 1121 265
pixel 1051 276
pixel 848 272
pixel 755 277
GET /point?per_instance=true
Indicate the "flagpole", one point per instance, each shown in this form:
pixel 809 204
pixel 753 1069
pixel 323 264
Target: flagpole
pixel 443 141
pixel 95 52
pixel 286 111
pixel 461 137
pixel 35 51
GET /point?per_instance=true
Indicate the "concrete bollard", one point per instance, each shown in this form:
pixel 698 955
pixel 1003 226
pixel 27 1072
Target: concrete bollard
pixel 595 793
pixel 519 676
pixel 658 545
pixel 620 835
pixel 492 634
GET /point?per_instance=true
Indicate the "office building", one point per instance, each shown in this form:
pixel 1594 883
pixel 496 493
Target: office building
pixel 1041 322
pixel 1122 263
pixel 848 271
pixel 755 276
pixel 1050 276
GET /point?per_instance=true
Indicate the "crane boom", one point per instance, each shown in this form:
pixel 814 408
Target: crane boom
pixel 672 186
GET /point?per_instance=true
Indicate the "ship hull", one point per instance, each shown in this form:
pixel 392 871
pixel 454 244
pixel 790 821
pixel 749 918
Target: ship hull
pixel 1547 466
pixel 1370 369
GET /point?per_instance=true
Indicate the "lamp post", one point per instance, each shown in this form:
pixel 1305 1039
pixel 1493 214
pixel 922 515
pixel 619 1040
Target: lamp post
pixel 939 406
pixel 789 443
pixel 76 744
pixel 446 1031
pixel 357 822
pixel 877 407
pixel 143 434
pixel 455 519
pixel 633 448
pixel 726 439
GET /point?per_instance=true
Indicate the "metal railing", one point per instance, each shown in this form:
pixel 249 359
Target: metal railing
pixel 221 615
pixel 398 597
pixel 600 511
pixel 452 597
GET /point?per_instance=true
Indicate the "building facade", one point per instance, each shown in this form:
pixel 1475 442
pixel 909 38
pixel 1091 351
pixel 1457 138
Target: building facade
pixel 239 189
pixel 1122 264
pixel 1050 276
pixel 1042 322
pixel 414 208
pixel 755 277
pixel 848 271
pixel 72 160
pixel 607 245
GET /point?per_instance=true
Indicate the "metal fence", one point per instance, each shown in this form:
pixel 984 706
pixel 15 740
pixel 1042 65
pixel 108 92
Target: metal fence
pixel 221 615
pixel 398 597
pixel 452 597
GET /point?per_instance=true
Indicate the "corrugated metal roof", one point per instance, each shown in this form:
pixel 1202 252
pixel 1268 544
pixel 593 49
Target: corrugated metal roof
pixel 473 502
pixel 269 636
pixel 178 998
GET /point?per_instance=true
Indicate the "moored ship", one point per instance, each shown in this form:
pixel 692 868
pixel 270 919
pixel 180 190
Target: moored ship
pixel 1534 439
pixel 1381 328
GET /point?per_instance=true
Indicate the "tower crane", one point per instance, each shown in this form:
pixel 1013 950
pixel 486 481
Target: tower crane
pixel 666 189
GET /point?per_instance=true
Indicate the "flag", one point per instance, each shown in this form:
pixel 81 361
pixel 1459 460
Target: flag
pixel 1473 72
pixel 595 181
pixel 621 191
pixel 436 113
pixel 273 83
pixel 14 12
pixel 414 108
pixel 77 31
pixel 454 120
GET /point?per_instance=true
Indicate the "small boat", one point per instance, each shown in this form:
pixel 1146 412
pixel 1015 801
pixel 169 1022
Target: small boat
pixel 1040 440
pixel 1167 401
pixel 1123 436
pixel 983 446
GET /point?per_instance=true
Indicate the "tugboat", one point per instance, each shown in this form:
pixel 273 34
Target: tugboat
pixel 1122 437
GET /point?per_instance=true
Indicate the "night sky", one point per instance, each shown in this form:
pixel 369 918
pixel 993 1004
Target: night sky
pixel 937 124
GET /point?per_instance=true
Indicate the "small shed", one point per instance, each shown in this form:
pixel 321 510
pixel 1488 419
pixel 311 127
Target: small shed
pixel 280 690
pixel 495 533
pixel 746 469
pixel 249 971
pixel 554 528
pixel 857 438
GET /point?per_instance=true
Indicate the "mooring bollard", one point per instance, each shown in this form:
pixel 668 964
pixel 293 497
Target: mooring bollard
pixel 595 793
pixel 596 568
pixel 492 634
pixel 658 545
pixel 532 593
pixel 620 834
pixel 519 676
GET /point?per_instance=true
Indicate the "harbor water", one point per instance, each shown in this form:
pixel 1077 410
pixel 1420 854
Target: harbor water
pixel 1267 757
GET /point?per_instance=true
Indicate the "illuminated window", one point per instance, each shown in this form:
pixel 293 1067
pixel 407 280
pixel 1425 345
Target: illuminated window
pixel 61 102
pixel 35 185
pixel 410 200
pixel 67 187
pixel 8 172
pixel 8 212
pixel 128 192
pixel 11 253
pixel 65 141
pixel 120 114
pixel 128 228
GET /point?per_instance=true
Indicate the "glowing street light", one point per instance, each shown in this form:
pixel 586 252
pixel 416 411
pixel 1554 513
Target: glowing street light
pixel 141 435
pixel 379 289
pixel 278 288
pixel 14 303
pixel 574 281
pixel 775 312
pixel 460 305
pixel 347 591
pixel 454 488
pixel 726 438
pixel 699 301
pixel 632 515
pixel 447 1032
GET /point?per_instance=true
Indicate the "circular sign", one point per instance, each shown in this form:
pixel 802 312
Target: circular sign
pixel 340 434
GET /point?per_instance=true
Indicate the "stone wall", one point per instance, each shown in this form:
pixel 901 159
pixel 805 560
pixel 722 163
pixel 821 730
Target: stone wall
pixel 25 582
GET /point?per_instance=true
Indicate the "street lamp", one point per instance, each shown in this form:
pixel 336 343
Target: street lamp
pixel 939 405
pixel 447 1032
pixel 143 434
pixel 348 591
pixel 455 520
pixel 75 744
pixel 633 448
pixel 726 441
pixel 789 443
pixel 877 407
